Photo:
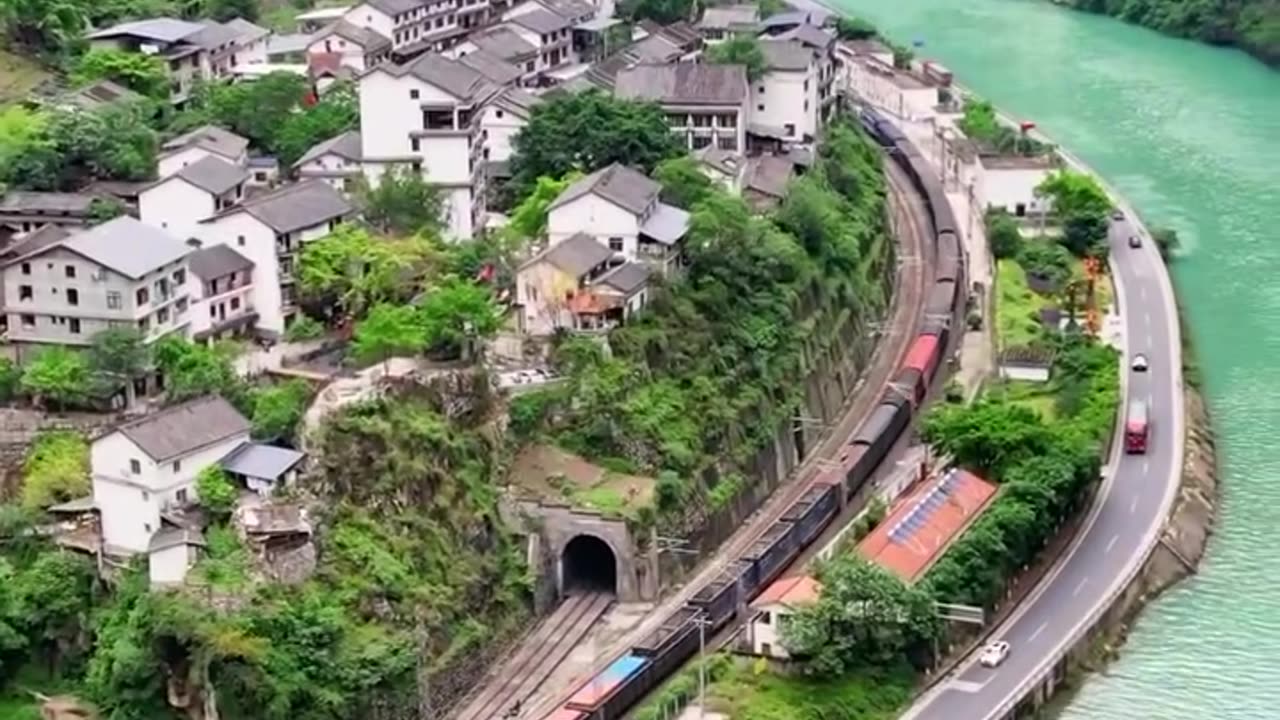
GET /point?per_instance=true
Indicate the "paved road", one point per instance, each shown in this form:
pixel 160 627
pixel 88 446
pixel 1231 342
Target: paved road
pixel 1131 509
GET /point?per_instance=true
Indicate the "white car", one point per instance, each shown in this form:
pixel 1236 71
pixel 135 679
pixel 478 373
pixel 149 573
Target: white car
pixel 1140 363
pixel 994 654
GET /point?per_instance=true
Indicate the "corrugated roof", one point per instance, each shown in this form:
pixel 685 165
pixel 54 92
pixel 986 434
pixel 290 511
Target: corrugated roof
pixel 216 261
pixel 213 174
pixel 211 138
pixel 793 592
pixel 347 146
pixel 786 55
pixel 266 462
pixel 619 184
pixel 20 201
pixel 162 29
pixel 922 525
pixel 183 429
pixel 294 207
pixel 127 246
pixel 503 42
pixel 102 92
pixel 541 21
pixel 626 278
pixel 576 255
pixel 694 83
pixel 494 68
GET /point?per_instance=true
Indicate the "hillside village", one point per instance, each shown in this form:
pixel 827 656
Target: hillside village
pixel 240 310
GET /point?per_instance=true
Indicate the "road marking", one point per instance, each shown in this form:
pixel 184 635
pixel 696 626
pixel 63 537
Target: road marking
pixel 1149 343
pixel 967 686
pixel 1112 543
pixel 1079 587
pixel 1133 506
pixel 1142 291
pixel 1146 465
pixel 1039 630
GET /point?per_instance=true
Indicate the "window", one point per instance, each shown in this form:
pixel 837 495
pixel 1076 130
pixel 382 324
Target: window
pixel 25 292
pixel 26 268
pixel 180 306
pixel 213 311
pixel 414 145
pixel 29 321
pixel 240 240
pixel 766 618
pixel 760 89
pixel 181 495
pixel 615 244
pixel 71 271
pixel 499 114
pixel 177 465
pixel 142 296
pixel 146 527
pixel 179 277
pixel 235 303
pixel 806 85
pixel 73 296
pixel 766 649
pixel 144 325
pixel 760 107
pixel 790 128
pixel 528 67
pixel 162 315
pixel 135 467
pixel 728 142
pixel 74 324
pixel 413 94
pixel 113 300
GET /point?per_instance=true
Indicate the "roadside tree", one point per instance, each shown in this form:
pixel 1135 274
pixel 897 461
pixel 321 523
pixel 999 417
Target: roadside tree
pixel 458 313
pixel 388 330
pixel 58 375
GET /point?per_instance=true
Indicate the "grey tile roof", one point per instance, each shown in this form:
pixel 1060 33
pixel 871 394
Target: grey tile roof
pixel 572 9
pixel 725 17
pixel 162 29
pixel 576 255
pixel 26 201
pixel 288 43
pixel 626 278
pixel 786 55
pixel 503 42
pixel 102 92
pixel 726 161
pixel 293 207
pixel 494 68
pixel 125 245
pixel 214 35
pixel 213 174
pixel 346 146
pixel 667 224
pixel 209 137
pixel 395 7
pixel 692 83
pixel 542 21
pixel 216 261
pixel 266 462
pixel 170 537
pixel 769 174
pixel 451 76
pixel 36 240
pixel 619 184
pixel 653 49
pixel 370 40
pixel 814 37
pixel 246 31
pixel 517 101
pixel 185 428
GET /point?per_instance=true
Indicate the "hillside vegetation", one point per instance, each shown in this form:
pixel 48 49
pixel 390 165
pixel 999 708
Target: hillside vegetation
pixel 1253 25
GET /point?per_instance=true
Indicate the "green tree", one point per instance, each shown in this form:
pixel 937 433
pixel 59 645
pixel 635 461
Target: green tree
pixel 260 110
pixel 852 28
pixel 337 111
pixel 59 375
pixel 192 370
pixel 529 218
pixel 604 129
pixel 278 408
pixel 104 209
pixel 216 491
pixel 1074 193
pixel 119 356
pixel 10 379
pixel 1049 260
pixel 403 203
pixel 863 615
pixel 740 50
pixel 388 330
pixel 358 270
pixel 224 10
pixel 1084 233
pixel 144 74
pixel 988 437
pixel 56 469
pixel 660 11
pixel 46 26
pixel 457 313
pixel 683 182
pixel 303 327
pixel 1167 241
pixel 1003 235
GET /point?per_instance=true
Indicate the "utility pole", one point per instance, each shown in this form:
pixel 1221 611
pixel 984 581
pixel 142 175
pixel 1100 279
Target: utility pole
pixel 703 621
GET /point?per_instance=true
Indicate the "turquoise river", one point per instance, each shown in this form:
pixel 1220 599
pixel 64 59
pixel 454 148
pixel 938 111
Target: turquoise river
pixel 1191 135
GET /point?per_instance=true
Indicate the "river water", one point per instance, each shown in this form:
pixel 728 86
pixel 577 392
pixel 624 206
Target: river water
pixel 1191 136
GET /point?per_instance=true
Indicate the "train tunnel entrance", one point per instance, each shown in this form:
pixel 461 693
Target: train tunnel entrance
pixel 589 565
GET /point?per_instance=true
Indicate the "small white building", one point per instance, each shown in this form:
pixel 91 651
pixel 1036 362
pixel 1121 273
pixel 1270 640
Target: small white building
pixel 722 22
pixel 178 202
pixel 173 551
pixel 149 466
pixel 503 118
pixel 1009 182
pixel 202 142
pixel 705 104
pixel 355 47
pixel 335 161
pixel 779 601
pixel 899 92
pixel 784 100
pixel 222 295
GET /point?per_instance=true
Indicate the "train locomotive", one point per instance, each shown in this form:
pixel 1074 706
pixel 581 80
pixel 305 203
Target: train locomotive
pixel 629 678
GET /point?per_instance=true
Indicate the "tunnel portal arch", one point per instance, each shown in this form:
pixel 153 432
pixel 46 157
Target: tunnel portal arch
pixel 589 564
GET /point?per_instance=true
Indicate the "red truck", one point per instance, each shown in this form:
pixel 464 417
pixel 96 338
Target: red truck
pixel 1137 427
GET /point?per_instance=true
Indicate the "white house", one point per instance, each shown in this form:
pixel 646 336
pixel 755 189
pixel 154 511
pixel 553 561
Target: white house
pixel 358 48
pixel 619 207
pixel 270 230
pixel 251 42
pixel 719 23
pixel 577 284
pixel 148 467
pixel 549 32
pixel 336 161
pixel 192 146
pixel 1010 181
pixel 705 104
pixel 173 551
pixel 505 44
pixel 778 602
pixel 899 92
pixel 424 114
pixel 191 51
pixel 502 119
pixel 23 211
pixel 178 202
pixel 415 26
pixel 784 100
pixel 221 294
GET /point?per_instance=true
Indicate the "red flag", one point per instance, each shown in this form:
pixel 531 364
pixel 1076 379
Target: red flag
pixel 1025 126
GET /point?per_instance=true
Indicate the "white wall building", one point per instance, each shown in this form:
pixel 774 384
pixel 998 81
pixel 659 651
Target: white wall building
pixel 1010 182
pixel 221 294
pixel 502 119
pixel 898 92
pixel 778 602
pixel 784 100
pixel 705 104
pixel 197 144
pixel 149 466
pixel 416 25
pixel 177 203
pixel 355 47
pixel 336 161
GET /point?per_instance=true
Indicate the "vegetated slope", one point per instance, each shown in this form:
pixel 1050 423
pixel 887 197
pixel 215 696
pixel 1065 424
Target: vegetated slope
pixel 1253 25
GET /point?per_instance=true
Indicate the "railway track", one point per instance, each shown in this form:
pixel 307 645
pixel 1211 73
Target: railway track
pixel 537 657
pixel 911 227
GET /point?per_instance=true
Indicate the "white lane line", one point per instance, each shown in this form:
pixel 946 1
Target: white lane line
pixel 1079 587
pixel 1112 542
pixel 967 686
pixel 1133 506
pixel 1146 465
pixel 1039 630
pixel 1149 343
pixel 1142 291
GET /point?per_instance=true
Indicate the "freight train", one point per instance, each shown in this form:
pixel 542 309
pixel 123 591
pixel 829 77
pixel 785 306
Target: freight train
pixel 629 678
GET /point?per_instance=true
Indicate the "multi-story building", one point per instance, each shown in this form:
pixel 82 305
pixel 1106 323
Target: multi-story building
pixel 784 99
pixel 24 211
pixel 270 230
pixel 502 119
pixel 899 92
pixel 121 273
pixel 551 33
pixel 199 143
pixel 336 161
pixel 415 26
pixel 722 22
pixel 504 43
pixel 705 104
pixel 355 47
pixel 177 203
pixel 221 294
pixel 823 44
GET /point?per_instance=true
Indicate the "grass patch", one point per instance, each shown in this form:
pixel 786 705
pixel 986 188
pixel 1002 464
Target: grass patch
pixel 608 486
pixel 17 705
pixel 1039 397
pixel 225 565
pixel 1017 323
pixel 18 77
pixel 747 690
